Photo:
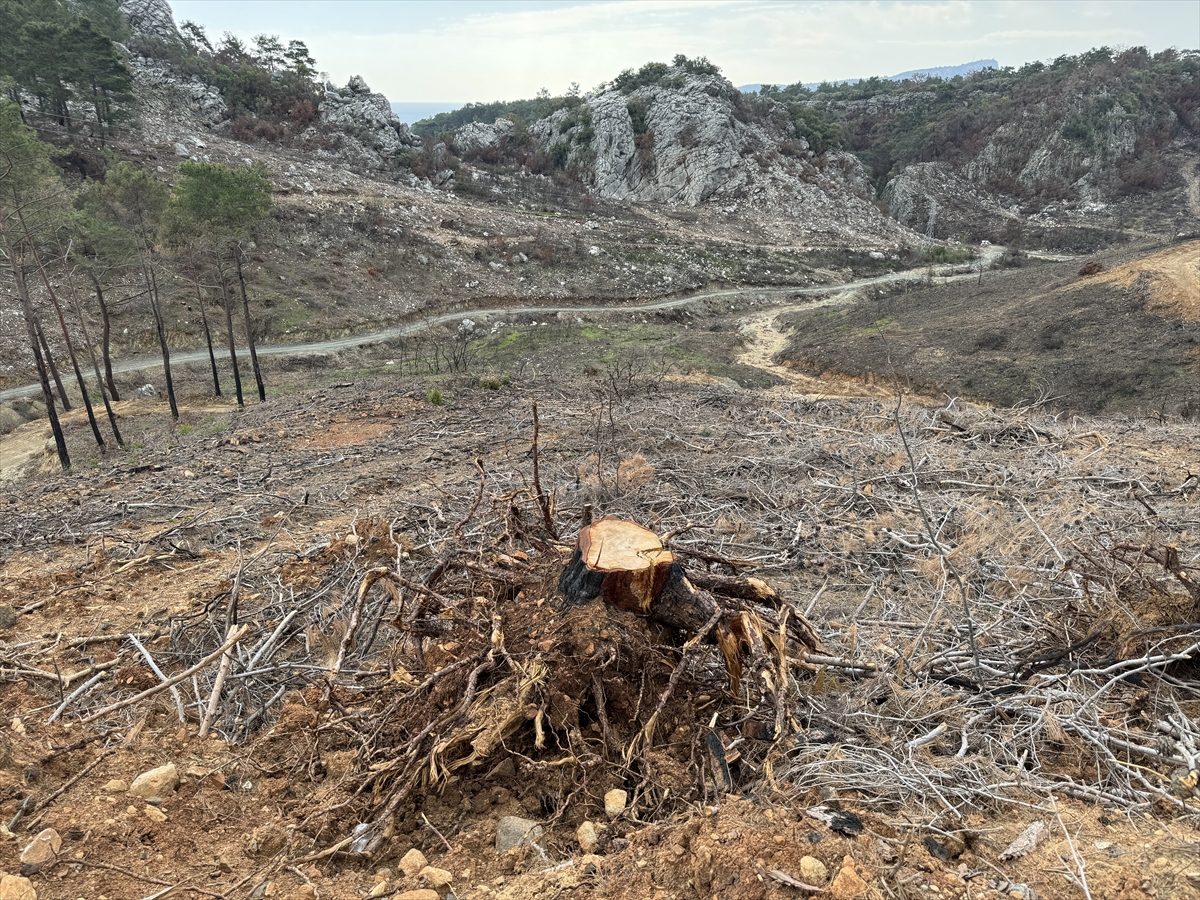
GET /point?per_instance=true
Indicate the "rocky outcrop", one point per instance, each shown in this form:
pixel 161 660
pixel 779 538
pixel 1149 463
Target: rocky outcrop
pixel 159 85
pixel 960 208
pixel 362 126
pixel 693 139
pixel 150 17
pixel 676 142
pixel 478 135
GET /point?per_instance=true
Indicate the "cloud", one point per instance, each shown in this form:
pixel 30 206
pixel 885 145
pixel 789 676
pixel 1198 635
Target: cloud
pixel 478 51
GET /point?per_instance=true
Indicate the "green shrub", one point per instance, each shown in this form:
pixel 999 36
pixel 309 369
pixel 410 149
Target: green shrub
pixel 629 81
pixel 948 254
pixel 560 152
pixel 435 397
pixel 638 108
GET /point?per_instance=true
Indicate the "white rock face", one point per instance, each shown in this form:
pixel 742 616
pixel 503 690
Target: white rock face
pixel 157 82
pixel 691 150
pixel 368 133
pixel 150 17
pixel 478 135
pixel 699 141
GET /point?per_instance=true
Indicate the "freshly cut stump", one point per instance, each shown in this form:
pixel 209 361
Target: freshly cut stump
pixel 627 566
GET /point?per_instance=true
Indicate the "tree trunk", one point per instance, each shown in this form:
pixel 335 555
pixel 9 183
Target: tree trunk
pixel 258 379
pixel 161 328
pixel 49 358
pixel 212 357
pixel 105 338
pixel 60 441
pixel 62 322
pixel 87 343
pixel 225 304
pixel 627 566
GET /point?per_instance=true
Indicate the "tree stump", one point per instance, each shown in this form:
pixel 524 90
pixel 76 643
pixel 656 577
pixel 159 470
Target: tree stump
pixel 627 566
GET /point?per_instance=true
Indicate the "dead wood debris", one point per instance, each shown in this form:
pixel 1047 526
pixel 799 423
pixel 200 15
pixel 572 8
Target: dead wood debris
pixel 433 646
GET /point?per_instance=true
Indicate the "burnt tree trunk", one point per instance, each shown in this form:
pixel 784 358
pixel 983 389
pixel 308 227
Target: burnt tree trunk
pixel 212 357
pixel 87 343
pixel 60 441
pixel 105 337
pixel 66 333
pixel 226 305
pixel 161 328
pixel 51 366
pixel 258 379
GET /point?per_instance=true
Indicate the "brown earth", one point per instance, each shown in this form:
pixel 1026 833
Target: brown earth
pixel 809 486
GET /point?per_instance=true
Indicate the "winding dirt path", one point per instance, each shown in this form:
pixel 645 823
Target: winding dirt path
pixel 842 293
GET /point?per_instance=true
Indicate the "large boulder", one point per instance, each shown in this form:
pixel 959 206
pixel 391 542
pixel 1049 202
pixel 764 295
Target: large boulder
pixel 477 135
pixel 362 124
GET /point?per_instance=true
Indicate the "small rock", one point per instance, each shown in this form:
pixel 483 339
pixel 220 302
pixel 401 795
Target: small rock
pixel 266 840
pixel 42 848
pixel 504 770
pixel 419 894
pixel 812 870
pixel 590 864
pixel 154 814
pixel 8 617
pixel 378 890
pixel 439 879
pixel 413 862
pixel 181 150
pixel 588 837
pixel 15 887
pixel 614 802
pixel 116 786
pixel 848 885
pixel 513 831
pixel 156 783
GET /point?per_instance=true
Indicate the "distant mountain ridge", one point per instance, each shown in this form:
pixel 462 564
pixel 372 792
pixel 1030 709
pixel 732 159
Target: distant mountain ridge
pixel 931 72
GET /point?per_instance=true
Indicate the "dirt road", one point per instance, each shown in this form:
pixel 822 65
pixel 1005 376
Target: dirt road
pixel 832 294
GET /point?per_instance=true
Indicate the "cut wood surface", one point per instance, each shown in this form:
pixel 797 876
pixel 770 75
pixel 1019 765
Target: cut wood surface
pixel 633 559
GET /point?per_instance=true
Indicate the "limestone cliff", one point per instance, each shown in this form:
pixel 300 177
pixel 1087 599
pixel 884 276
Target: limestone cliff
pixel 692 139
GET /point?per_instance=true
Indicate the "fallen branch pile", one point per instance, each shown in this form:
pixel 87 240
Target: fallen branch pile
pixel 998 612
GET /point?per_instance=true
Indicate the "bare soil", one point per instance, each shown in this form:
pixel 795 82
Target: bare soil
pixel 806 483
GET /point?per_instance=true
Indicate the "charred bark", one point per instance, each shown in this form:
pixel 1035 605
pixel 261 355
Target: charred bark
pixel 258 379
pixel 50 366
pixel 226 305
pixel 105 338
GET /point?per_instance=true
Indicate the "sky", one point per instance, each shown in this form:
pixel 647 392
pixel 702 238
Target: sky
pixel 450 53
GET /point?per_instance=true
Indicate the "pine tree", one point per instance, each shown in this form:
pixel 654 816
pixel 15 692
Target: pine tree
pixel 133 200
pixel 223 205
pixel 27 184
